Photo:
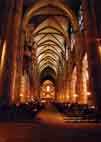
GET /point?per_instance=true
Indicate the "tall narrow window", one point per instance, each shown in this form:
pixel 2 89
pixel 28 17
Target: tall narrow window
pixel 80 18
pixel 72 39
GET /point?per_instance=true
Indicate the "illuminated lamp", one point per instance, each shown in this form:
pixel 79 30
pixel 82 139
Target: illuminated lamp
pixel 99 48
pixel 88 93
pixel 21 95
pixel 75 95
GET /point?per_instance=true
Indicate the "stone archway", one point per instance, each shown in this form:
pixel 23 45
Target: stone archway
pixel 40 4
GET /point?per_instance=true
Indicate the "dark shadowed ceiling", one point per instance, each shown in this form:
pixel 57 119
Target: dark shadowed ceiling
pixel 74 4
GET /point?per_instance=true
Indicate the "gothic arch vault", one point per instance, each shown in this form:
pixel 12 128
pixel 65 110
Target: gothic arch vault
pixel 40 4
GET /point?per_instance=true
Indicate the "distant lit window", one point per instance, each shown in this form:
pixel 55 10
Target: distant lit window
pixel 48 88
pixel 72 39
pixel 80 18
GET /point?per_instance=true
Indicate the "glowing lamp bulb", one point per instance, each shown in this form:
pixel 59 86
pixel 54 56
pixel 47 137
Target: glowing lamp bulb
pixel 88 93
pixel 75 95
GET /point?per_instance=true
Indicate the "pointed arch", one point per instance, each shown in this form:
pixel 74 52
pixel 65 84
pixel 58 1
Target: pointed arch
pixel 40 4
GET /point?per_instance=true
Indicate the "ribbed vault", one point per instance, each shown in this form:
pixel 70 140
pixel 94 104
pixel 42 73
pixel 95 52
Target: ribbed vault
pixel 46 24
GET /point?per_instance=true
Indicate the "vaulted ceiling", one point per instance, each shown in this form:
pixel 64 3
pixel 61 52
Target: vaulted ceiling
pixel 48 29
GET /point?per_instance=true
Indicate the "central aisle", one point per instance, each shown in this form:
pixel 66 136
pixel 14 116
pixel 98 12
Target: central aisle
pixel 50 116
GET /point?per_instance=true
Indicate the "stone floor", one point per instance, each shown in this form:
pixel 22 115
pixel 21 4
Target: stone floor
pixel 49 126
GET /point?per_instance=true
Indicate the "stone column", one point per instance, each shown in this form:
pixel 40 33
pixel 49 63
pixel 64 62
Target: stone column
pixel 66 92
pixel 37 83
pixel 36 86
pixel 5 63
pixel 78 64
pixel 92 52
pixel 59 85
pixel 15 45
pixel 81 94
pixel 70 88
pixel 69 69
pixel 63 84
pixel 20 71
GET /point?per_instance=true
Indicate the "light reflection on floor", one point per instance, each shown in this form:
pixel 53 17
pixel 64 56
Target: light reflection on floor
pixel 50 116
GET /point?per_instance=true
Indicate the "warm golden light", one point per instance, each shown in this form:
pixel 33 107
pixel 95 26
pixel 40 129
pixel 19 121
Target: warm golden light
pixel 67 97
pixel 23 89
pixel 3 57
pixel 75 95
pixel 48 88
pixel 99 48
pixel 88 93
pixel 85 77
pixel 73 85
pixel 21 95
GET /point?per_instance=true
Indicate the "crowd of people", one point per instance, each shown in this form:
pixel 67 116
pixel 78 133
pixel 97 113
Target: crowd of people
pixel 20 111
